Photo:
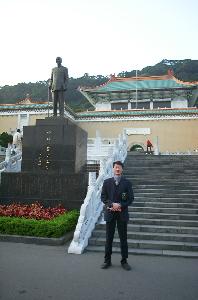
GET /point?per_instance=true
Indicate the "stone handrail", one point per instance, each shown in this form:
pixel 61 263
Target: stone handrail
pixel 98 153
pixel 92 207
pixel 194 152
pixel 11 163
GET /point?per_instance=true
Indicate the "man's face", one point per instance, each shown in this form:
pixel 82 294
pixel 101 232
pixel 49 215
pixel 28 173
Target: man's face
pixel 117 170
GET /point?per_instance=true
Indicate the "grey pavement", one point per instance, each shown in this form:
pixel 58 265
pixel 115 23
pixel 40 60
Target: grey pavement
pixel 38 272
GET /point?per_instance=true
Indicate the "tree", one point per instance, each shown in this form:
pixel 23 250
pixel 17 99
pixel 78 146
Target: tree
pixel 5 138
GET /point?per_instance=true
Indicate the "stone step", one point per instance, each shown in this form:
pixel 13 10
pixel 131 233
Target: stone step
pixel 166 158
pixel 163 167
pixel 163 219
pixel 163 216
pixel 149 244
pixel 162 172
pixel 166 200
pixel 169 186
pixel 167 195
pixel 157 228
pixel 163 222
pixel 164 187
pixel 158 164
pixel 148 181
pixel 183 157
pixel 145 162
pixel 158 178
pixel 138 181
pixel 165 163
pixel 138 251
pixel 166 190
pixel 163 229
pixel 170 173
pixel 163 205
pixel 148 209
pixel 159 236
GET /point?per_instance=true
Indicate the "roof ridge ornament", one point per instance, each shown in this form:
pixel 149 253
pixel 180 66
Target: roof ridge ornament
pixel 112 77
pixel 170 73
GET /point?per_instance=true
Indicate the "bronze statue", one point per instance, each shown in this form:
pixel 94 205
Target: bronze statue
pixel 58 86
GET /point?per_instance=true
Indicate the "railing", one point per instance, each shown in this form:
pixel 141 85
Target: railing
pixel 11 163
pixel 2 150
pixel 195 152
pixel 92 207
pixel 98 153
pixel 99 148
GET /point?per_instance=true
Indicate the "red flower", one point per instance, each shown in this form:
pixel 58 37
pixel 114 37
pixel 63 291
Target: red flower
pixel 33 211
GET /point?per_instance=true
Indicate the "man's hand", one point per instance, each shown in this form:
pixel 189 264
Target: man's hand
pixel 115 207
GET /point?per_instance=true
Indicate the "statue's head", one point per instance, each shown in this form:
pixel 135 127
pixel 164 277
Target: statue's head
pixel 58 60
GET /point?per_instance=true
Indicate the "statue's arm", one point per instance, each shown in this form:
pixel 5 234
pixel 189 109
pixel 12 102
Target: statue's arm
pixel 66 75
pixel 51 80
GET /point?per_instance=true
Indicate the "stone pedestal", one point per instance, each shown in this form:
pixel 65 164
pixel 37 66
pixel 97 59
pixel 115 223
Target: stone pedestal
pixel 53 165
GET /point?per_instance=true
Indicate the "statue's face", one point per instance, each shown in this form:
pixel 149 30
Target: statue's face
pixel 59 60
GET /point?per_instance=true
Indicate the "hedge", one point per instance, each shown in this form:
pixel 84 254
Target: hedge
pixel 40 228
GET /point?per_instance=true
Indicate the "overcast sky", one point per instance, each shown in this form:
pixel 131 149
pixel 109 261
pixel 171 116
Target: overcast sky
pixel 93 36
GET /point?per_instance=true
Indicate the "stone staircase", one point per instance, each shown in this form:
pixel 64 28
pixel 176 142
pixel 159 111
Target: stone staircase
pixel 164 214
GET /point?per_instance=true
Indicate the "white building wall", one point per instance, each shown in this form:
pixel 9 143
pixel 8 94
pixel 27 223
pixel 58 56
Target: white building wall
pixel 103 106
pixel 179 102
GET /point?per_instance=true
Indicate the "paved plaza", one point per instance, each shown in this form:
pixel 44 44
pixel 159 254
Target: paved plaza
pixel 35 272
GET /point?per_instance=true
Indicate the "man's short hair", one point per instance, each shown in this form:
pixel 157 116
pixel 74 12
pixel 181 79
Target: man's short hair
pixel 118 162
pixel 18 130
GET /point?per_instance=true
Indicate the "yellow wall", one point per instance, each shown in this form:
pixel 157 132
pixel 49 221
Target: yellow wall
pixel 8 123
pixel 32 120
pixel 173 135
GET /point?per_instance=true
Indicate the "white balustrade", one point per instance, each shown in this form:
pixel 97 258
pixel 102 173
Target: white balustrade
pixel 92 207
pixel 180 153
pixel 99 148
pixel 11 163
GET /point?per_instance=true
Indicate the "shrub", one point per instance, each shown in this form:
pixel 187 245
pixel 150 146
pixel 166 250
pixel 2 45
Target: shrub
pixel 5 138
pixel 55 227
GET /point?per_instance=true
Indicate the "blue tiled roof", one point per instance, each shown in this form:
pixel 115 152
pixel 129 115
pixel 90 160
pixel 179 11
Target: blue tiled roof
pixel 140 85
pixel 143 112
pixel 25 106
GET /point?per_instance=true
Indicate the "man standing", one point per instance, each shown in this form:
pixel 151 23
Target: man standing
pixel 117 195
pixel 149 146
pixel 58 85
pixel 17 140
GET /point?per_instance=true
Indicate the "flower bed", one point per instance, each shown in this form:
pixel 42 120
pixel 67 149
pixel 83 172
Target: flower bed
pixel 38 221
pixel 32 211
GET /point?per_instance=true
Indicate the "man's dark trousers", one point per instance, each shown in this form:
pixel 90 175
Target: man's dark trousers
pixel 122 231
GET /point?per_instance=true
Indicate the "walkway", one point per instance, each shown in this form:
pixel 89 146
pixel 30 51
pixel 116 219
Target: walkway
pixel 34 272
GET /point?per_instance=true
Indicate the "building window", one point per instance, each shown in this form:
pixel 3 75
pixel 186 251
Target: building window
pixel 119 106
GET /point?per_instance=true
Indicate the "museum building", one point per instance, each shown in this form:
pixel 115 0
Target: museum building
pixel 161 108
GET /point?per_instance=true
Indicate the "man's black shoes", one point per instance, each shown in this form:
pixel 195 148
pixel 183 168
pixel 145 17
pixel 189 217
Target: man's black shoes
pixel 106 265
pixel 126 266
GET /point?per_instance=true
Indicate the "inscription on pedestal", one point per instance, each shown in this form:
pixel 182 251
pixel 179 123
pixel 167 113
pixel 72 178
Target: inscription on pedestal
pixel 53 161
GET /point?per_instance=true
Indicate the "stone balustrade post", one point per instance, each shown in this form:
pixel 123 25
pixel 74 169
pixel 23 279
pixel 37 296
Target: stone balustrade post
pixel 91 209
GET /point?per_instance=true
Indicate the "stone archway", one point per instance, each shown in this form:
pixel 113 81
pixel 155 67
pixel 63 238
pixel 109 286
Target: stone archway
pixel 138 147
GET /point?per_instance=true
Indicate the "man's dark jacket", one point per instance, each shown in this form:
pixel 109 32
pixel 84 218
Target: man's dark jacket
pixel 124 196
